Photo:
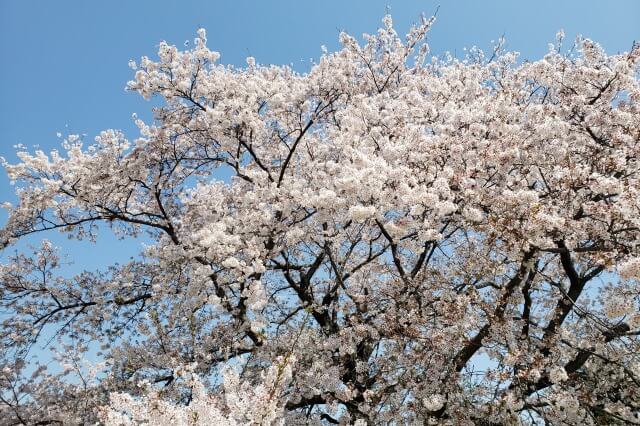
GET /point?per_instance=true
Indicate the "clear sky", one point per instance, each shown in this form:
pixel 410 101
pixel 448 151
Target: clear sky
pixel 63 64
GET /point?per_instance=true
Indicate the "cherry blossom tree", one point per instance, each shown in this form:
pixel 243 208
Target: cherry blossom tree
pixel 388 237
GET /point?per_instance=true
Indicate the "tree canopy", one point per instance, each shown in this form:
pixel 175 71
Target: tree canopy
pixel 387 238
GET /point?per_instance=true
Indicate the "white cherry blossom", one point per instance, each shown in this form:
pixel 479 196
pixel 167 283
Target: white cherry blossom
pixel 387 238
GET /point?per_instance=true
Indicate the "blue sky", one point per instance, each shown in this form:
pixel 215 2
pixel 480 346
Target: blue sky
pixel 64 63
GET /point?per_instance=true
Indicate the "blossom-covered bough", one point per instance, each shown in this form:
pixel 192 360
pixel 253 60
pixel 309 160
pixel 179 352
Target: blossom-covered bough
pixel 386 238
